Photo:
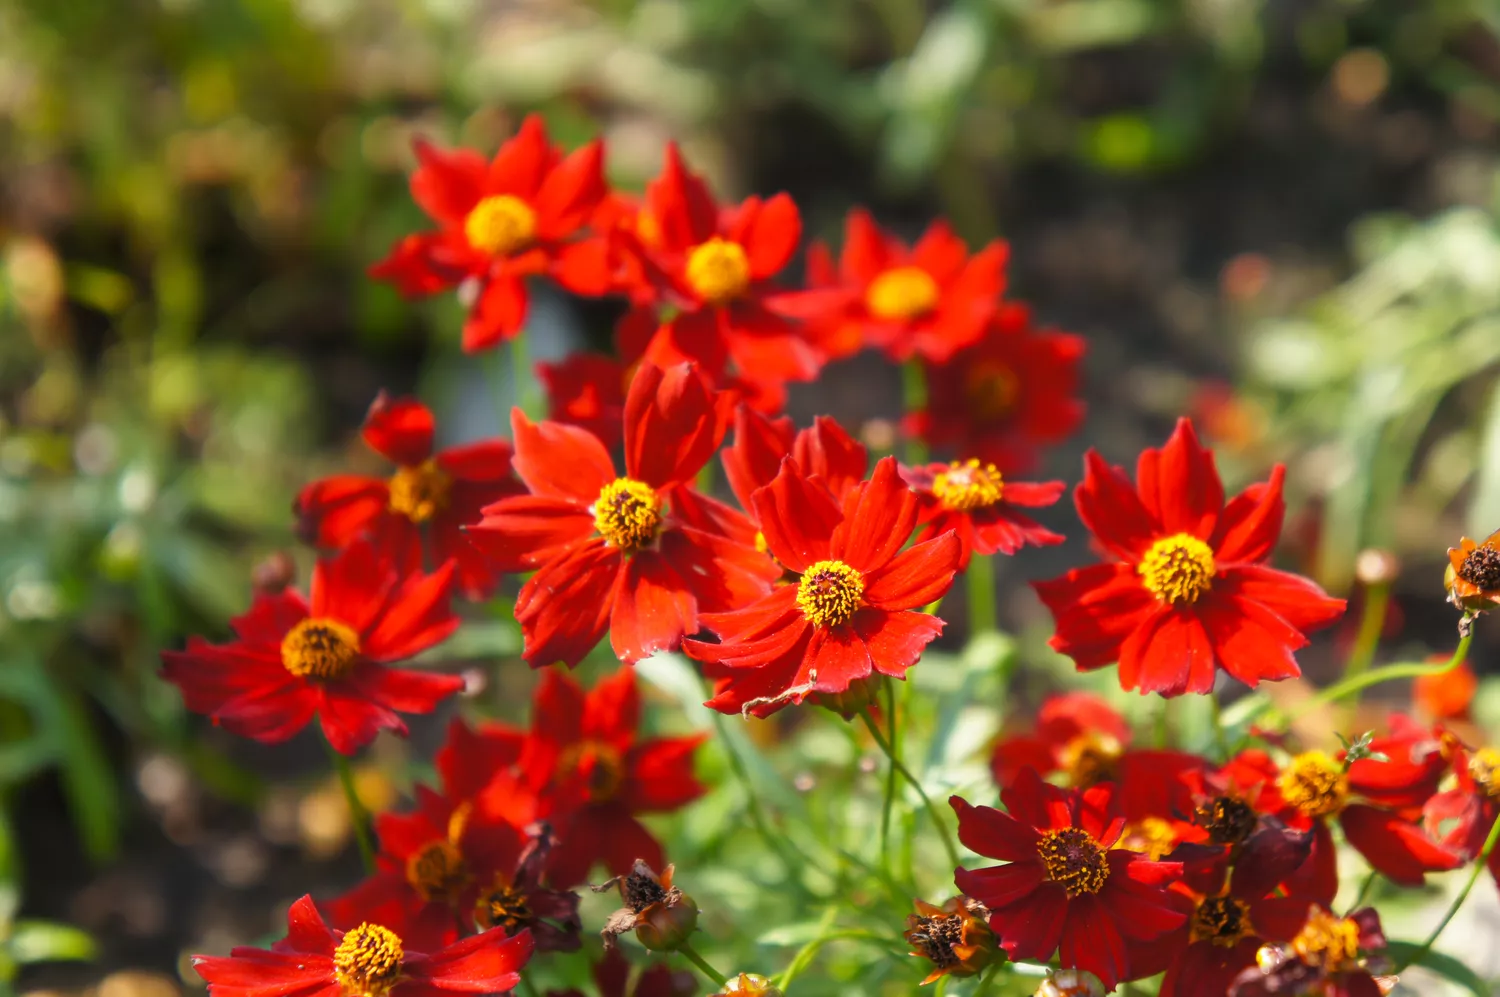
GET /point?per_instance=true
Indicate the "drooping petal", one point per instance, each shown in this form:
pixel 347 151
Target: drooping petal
pixel 335 511
pixel 519 533
pixel 1251 642
pixel 564 608
pixel 1297 600
pixel 498 314
pixel 1096 609
pixel 1398 848
pixel 351 721
pixel 403 690
pixel 485 963
pixel 1032 928
pixel 661 774
pixel 1001 885
pixel 1091 941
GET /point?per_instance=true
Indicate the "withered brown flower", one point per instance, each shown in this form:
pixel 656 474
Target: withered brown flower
pixel 955 937
pixel 1473 575
pixel 660 914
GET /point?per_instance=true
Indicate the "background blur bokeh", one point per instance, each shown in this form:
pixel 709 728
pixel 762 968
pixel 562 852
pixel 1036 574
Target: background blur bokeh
pixel 1279 216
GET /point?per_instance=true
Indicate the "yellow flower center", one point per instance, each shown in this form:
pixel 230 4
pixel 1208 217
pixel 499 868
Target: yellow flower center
pixel 1484 769
pixel 437 871
pixel 1327 942
pixel 902 293
pixel 1152 837
pixel 420 492
pixel 1089 758
pixel 1224 921
pixel 991 390
pixel 501 225
pixel 627 514
pixel 502 905
pixel 968 485
pixel 1315 784
pixel 718 271
pixel 367 963
pixel 320 648
pixel 1178 569
pixel 760 543
pixel 1073 859
pixel 829 593
pixel 599 763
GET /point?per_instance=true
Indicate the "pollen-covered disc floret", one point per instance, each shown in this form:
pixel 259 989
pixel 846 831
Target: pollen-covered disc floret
pixel 1315 784
pixel 902 293
pixel 320 648
pixel 1224 921
pixel 1227 819
pixel 718 271
pixel 437 871
pixel 502 905
pixel 968 485
pixel 830 593
pixel 1484 769
pixel 419 492
pixel 1178 569
pixel 501 225
pixel 1481 567
pixel 627 514
pixel 1153 837
pixel 1074 860
pixel 367 963
pixel 1329 942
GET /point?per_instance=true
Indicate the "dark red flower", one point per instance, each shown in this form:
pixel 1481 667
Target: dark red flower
pixel 520 215
pixel 609 552
pixel 852 612
pixel 981 508
pixel 587 390
pixel 928 300
pixel 1461 818
pixel 1007 396
pixel 1188 591
pixel 1330 957
pixel 1066 888
pixel 367 961
pixel 326 656
pixel 418 513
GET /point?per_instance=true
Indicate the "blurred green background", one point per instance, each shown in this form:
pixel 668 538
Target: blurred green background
pixel 1277 215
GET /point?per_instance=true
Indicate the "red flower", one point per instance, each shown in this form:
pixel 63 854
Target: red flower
pixel 1066 887
pixel 326 656
pixel 1188 592
pixel 500 222
pixel 1461 818
pixel 370 960
pixel 981 508
pixel 587 390
pixel 1330 957
pixel 1005 397
pixel 608 551
pixel 929 300
pixel 591 773
pixel 1445 695
pixel 851 612
pixel 714 270
pixel 419 512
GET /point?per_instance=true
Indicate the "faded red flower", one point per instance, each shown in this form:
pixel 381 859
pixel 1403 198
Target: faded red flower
pixel 609 551
pixel 1188 591
pixel 1066 887
pixel 1473 574
pixel 418 513
pixel 587 390
pixel 852 612
pixel 367 961
pixel 974 500
pixel 956 937
pixel 523 214
pixel 326 655
pixel 1462 817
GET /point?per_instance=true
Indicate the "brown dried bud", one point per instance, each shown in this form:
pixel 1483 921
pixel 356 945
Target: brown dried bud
pixel 749 985
pixel 1473 574
pixel 956 937
pixel 660 914
pixel 274 573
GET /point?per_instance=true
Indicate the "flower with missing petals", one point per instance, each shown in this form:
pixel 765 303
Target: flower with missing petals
pixel 660 914
pixel 956 937
pixel 1473 574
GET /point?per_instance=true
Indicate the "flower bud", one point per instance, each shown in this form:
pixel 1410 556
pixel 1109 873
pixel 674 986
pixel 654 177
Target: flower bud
pixel 1070 983
pixel 663 927
pixel 660 914
pixel 749 985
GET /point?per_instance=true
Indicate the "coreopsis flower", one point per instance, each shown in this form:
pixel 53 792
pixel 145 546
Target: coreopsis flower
pixel 326 656
pixel 418 513
pixel 927 300
pixel 523 214
pixel 1006 397
pixel 660 914
pixel 714 271
pixel 1462 817
pixel 981 508
pixel 853 611
pixel 956 937
pixel 587 390
pixel 608 551
pixel 585 761
pixel 1066 887
pixel 367 961
pixel 1330 957
pixel 1472 577
pixel 1187 591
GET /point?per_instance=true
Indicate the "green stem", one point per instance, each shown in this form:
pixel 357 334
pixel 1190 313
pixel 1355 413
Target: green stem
pixel 752 799
pixel 890 775
pixel 1479 866
pixel 914 400
pixel 1221 740
pixel 932 811
pixel 523 378
pixel 494 365
pixel 980 581
pixel 358 815
pixel 1371 623
pixel 693 957
pixel 987 981
pixel 1354 683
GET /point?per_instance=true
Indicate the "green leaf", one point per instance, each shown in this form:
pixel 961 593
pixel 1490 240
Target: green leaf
pixel 1445 966
pixel 1481 518
pixel 45 941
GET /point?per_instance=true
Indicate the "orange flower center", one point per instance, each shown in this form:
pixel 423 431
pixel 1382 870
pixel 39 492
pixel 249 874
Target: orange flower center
pixel 501 225
pixel 902 293
pixel 830 592
pixel 1227 820
pixel 320 648
pixel 1327 942
pixel 968 485
pixel 1089 758
pixel 627 514
pixel 419 492
pixel 1152 837
pixel 367 963
pixel 599 764
pixel 718 271
pixel 503 905
pixel 990 391
pixel 1224 921
pixel 1178 569
pixel 1315 784
pixel 1073 859
pixel 437 871
pixel 1484 769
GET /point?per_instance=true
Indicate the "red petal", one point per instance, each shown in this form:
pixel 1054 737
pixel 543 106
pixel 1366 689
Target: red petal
pixel 350 721
pixel 1278 918
pixel 1032 929
pixel 418 615
pixel 1180 486
pixel 867 252
pixel 498 314
pixel 400 429
pixel 1096 609
pixel 797 516
pixel 1250 641
pixel 1112 510
pixel 564 608
pixel 772 236
pixel 915 577
pixel 488 962
pixel 828 451
pixel 1170 653
pixel 557 461
pixel 766 347
pixel 257 973
pixel 519 533
pixel 653 609
pixel 993 833
pixel 1251 522
pixel 483 460
pixel 895 640
pixel 836 657
pixel 1297 600
pixel 1001 885
pixel 403 690
pixel 661 774
pixel 447 185
pixel 1399 849
pixel 753 459
pixel 352 587
pixel 335 511
pixel 1037 803
pixel 585 268
pixel 879 519
pixel 1090 941
pixel 571 193
pixel 681 204
pixel 522 162
pixel 671 425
